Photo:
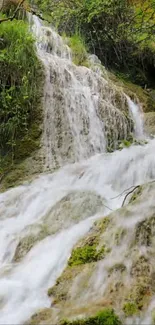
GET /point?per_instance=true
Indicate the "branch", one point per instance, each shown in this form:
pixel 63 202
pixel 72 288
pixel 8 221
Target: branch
pixel 129 194
pixel 14 14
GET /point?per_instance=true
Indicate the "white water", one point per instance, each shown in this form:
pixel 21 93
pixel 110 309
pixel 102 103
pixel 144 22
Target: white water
pixel 83 108
pixel 23 285
pixel 137 115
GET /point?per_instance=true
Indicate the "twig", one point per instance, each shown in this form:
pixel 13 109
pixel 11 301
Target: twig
pixel 115 197
pixel 129 194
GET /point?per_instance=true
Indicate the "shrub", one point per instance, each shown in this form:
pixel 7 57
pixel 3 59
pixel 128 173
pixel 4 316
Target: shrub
pixel 20 86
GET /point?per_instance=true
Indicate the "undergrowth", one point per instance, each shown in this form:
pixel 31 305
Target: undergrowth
pixel 21 78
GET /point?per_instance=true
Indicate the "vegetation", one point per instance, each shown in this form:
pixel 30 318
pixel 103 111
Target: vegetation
pixel 130 309
pixel 106 317
pixel 79 50
pixel 120 32
pixel 20 93
pixel 86 254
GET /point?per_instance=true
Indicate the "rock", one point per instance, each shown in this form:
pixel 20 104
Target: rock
pixel 125 276
pixel 149 123
pixel 75 206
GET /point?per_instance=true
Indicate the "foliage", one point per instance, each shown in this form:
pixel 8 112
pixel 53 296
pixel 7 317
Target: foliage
pixel 20 84
pixel 79 50
pixel 86 254
pixel 120 32
pixel 105 317
pixel 130 308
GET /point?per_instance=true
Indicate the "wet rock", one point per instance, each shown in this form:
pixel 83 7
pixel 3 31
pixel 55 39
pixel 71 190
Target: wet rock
pixel 149 123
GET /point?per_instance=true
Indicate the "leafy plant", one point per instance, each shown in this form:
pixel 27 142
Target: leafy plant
pixel 20 85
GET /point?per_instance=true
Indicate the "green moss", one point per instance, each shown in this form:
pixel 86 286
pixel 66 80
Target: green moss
pixel 130 309
pixel 102 225
pixel 86 254
pixel 106 317
pixel 145 231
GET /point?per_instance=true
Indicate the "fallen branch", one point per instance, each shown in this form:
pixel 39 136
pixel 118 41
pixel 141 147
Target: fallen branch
pixel 119 195
pixel 129 194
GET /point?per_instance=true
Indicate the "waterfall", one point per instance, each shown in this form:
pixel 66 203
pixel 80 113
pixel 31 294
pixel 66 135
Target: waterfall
pixel 40 222
pixel 84 111
pixel 136 114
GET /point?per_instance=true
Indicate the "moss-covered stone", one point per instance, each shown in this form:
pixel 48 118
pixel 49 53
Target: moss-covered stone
pixel 60 291
pixel 140 294
pixel 145 231
pixel 149 123
pixel 130 309
pixel 119 235
pixel 117 267
pixel 41 317
pixel 86 254
pixel 135 92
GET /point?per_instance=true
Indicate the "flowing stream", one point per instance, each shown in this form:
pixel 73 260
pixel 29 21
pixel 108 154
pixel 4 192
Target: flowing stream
pixel 96 175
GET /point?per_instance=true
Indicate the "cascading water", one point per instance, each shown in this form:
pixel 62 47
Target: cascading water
pixel 84 111
pixel 40 222
pixel 136 113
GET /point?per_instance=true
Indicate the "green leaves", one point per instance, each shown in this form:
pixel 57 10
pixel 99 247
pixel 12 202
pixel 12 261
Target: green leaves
pixel 19 94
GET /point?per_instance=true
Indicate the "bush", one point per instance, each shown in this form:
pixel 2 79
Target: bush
pixel 20 86
pixel 119 32
pixel 79 50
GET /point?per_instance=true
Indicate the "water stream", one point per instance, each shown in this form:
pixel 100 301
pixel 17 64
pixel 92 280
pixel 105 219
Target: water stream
pixel 103 176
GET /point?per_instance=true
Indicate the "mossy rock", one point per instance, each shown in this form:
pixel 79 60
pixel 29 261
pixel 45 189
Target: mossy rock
pixel 41 317
pixel 130 309
pixel 118 267
pixel 149 123
pixel 60 291
pixel 141 268
pixel 145 231
pixel 86 254
pixel 135 92
pixel 119 235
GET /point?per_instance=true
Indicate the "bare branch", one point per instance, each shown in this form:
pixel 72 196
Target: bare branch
pixel 129 194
